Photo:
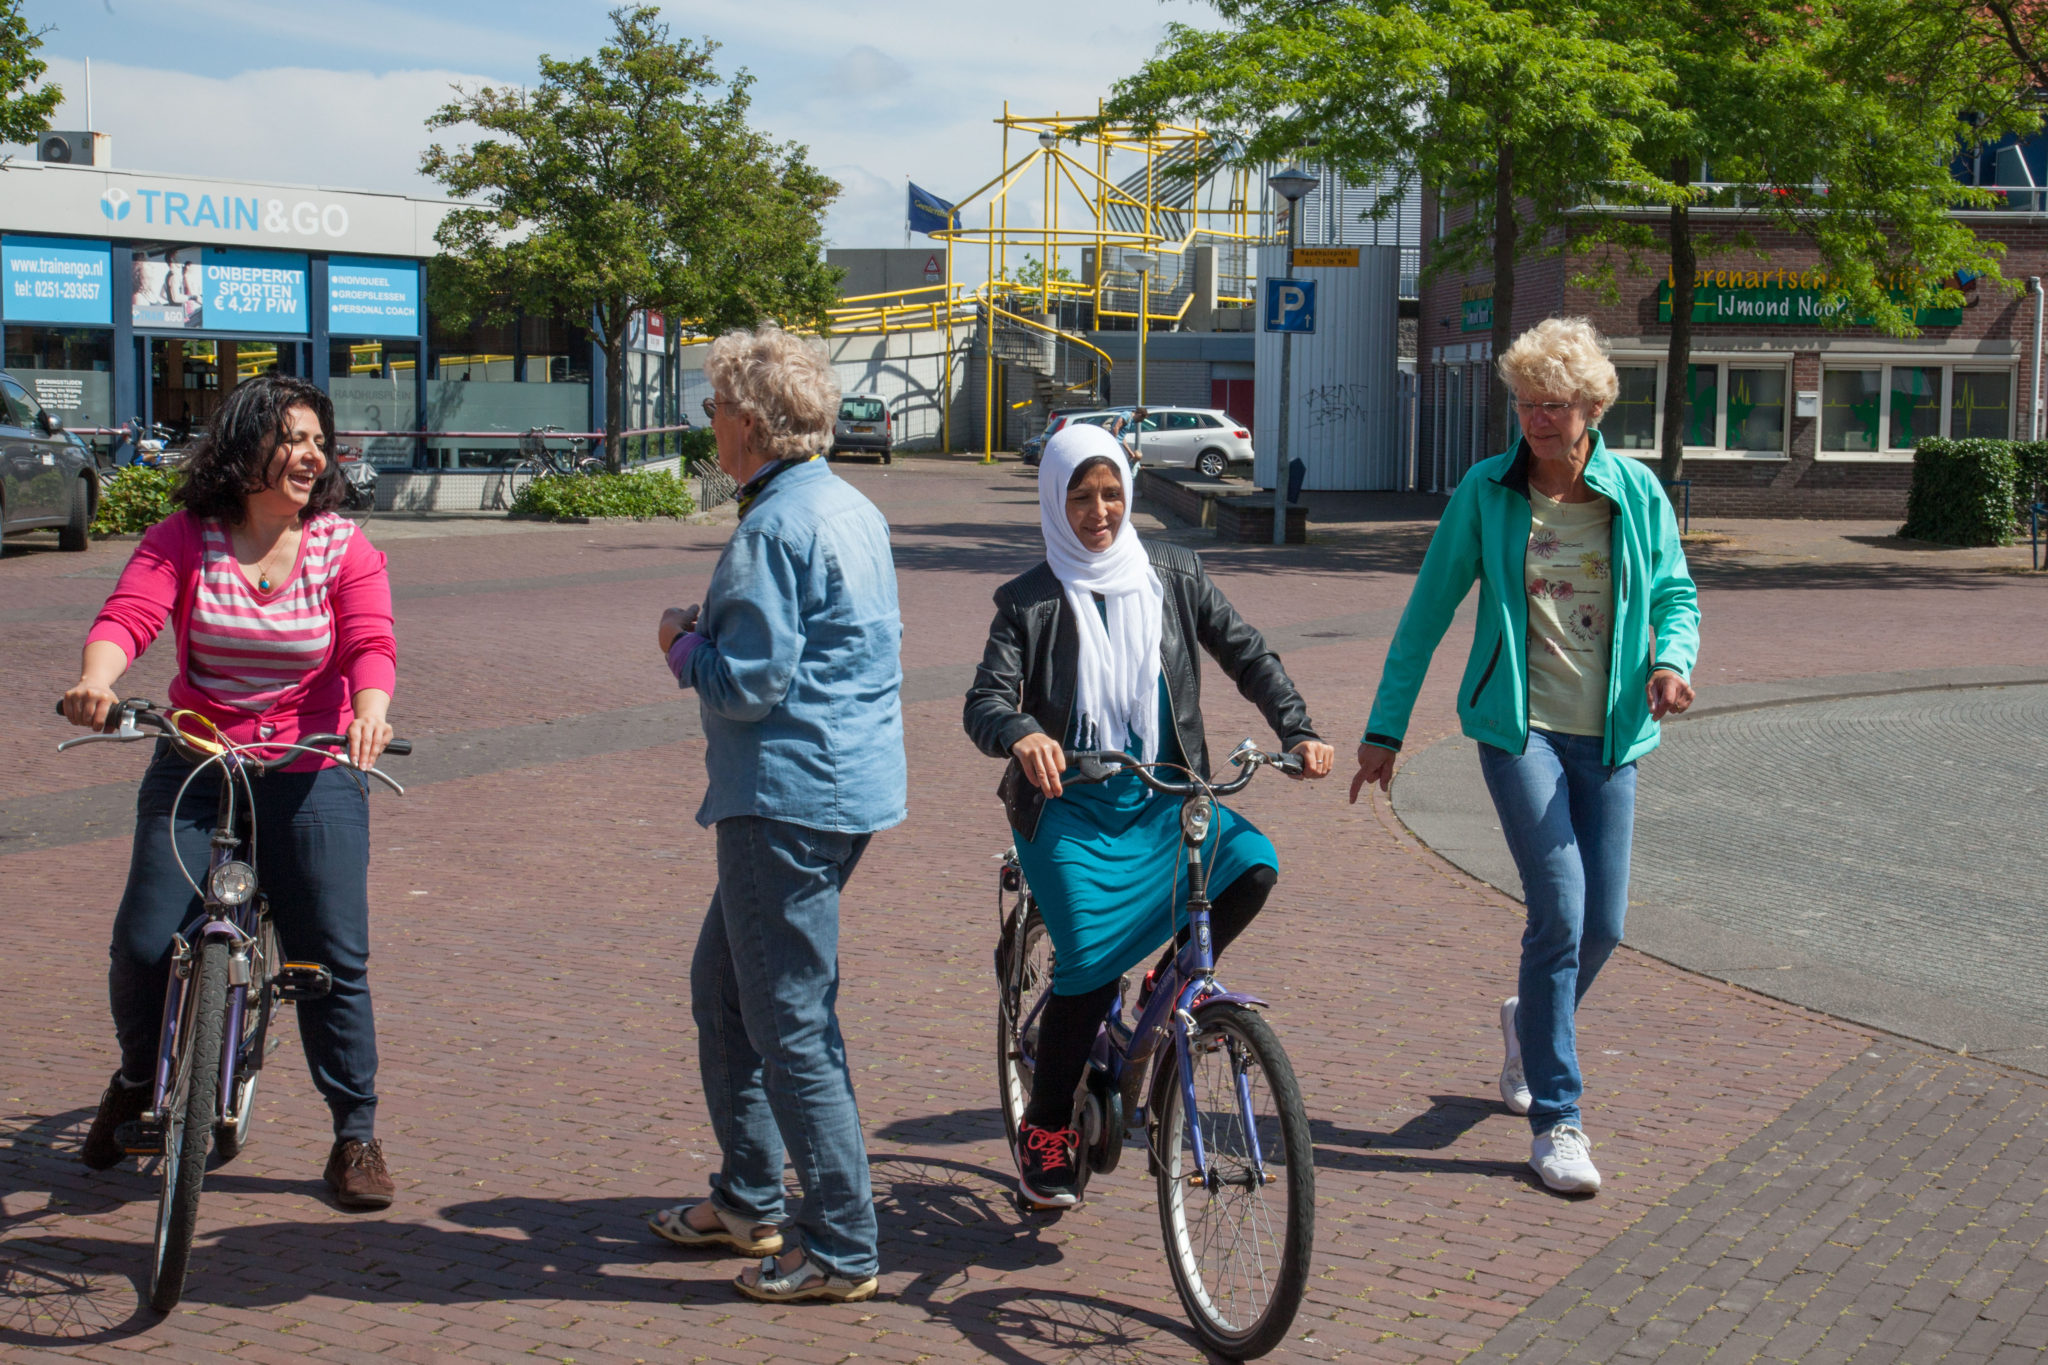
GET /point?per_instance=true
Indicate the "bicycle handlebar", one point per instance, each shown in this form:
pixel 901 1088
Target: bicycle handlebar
pixel 138 714
pixel 1099 765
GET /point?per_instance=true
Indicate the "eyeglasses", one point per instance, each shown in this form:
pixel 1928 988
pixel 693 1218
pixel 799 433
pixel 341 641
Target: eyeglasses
pixel 711 407
pixel 1554 411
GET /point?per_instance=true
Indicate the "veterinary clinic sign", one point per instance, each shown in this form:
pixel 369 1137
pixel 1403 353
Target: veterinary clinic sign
pixel 1795 298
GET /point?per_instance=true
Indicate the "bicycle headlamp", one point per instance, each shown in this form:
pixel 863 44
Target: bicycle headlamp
pixel 233 883
pixel 1194 820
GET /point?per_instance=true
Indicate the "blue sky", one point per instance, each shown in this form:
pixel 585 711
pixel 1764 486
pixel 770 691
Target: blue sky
pixel 334 91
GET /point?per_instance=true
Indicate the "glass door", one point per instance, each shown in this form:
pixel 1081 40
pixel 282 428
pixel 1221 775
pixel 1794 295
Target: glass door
pixel 189 377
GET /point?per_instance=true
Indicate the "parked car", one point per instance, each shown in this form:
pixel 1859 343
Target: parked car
pixel 864 427
pixel 47 477
pixel 1207 439
pixel 1035 446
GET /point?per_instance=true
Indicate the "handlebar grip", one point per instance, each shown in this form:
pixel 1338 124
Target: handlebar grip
pixel 60 700
pixel 1291 764
pixel 401 747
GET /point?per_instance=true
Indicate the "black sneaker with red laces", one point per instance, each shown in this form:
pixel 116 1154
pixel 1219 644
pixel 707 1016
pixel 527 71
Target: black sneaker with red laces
pixel 1047 1163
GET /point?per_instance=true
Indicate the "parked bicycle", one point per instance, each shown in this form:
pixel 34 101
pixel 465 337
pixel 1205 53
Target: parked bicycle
pixel 359 479
pixel 227 976
pixel 539 460
pixel 156 444
pixel 1227 1137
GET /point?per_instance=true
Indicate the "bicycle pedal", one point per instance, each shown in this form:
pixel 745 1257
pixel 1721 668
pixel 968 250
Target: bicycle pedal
pixel 302 981
pixel 140 1137
pixel 1031 1208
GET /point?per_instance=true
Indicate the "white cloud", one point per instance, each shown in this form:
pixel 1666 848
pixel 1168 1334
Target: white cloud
pixel 877 92
pixel 297 125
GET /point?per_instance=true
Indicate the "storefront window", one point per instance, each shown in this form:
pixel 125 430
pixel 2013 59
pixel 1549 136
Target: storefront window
pixel 1756 410
pixel 505 377
pixel 69 371
pixel 1981 404
pixel 1916 405
pixel 375 385
pixel 1702 404
pixel 1849 401
pixel 1631 424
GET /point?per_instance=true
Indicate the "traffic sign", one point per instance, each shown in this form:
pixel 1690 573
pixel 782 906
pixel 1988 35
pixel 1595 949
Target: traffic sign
pixel 1290 305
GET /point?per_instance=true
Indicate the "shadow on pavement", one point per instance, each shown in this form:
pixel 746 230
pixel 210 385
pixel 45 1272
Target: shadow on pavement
pixel 962 1125
pixel 1030 1325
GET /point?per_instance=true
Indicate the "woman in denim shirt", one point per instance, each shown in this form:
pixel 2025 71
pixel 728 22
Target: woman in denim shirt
pixel 794 659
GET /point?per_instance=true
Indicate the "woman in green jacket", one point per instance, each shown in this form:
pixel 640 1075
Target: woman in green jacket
pixel 1588 627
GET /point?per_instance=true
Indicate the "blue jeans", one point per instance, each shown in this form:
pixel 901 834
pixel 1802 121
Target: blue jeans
pixel 764 988
pixel 313 861
pixel 1569 820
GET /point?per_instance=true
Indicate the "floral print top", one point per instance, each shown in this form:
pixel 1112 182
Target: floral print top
pixel 1571 613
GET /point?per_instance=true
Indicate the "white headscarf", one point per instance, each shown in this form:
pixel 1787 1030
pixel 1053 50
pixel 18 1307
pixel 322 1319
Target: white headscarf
pixel 1116 688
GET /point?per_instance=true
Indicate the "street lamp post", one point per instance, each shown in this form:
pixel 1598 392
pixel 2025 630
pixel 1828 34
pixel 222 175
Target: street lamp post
pixel 1290 184
pixel 1144 262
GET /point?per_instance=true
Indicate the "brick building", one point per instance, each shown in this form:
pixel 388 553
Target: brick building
pixel 1786 413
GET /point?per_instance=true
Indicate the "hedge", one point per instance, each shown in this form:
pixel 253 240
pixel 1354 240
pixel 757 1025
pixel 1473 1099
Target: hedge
pixel 641 494
pixel 133 498
pixel 1963 492
pixel 2031 458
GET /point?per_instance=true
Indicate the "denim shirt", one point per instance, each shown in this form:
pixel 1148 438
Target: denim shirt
pixel 798 671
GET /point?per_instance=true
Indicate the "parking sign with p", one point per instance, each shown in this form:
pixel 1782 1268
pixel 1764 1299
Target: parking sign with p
pixel 1290 305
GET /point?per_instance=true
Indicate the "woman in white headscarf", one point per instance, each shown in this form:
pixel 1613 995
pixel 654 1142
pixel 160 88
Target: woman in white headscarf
pixel 1095 649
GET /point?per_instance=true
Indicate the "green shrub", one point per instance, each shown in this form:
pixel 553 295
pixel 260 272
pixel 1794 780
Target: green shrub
pixel 133 498
pixel 1962 492
pixel 2031 475
pixel 697 444
pixel 642 494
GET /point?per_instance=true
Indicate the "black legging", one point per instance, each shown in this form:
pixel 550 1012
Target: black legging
pixel 1067 1027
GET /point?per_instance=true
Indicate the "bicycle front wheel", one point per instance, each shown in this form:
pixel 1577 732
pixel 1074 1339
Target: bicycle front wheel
pixel 522 474
pixel 1239 1233
pixel 230 1137
pixel 189 1113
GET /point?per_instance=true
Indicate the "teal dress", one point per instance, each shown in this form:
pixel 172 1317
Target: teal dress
pixel 1110 874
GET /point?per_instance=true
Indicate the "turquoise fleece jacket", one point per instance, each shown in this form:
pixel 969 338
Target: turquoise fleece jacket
pixel 1484 535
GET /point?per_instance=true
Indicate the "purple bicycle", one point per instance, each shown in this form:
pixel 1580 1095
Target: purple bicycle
pixel 1227 1137
pixel 227 975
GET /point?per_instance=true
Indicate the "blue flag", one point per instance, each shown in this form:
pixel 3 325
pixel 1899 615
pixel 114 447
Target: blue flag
pixel 928 213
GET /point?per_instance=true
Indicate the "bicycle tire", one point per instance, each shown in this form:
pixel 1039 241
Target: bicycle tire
pixel 230 1138
pixel 522 474
pixel 1027 974
pixel 188 1127
pixel 1239 1310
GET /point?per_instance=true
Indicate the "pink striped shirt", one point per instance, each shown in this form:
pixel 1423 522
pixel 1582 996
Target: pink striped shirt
pixel 260 665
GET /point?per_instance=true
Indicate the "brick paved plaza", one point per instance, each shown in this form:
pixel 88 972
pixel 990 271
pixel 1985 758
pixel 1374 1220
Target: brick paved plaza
pixel 1779 1184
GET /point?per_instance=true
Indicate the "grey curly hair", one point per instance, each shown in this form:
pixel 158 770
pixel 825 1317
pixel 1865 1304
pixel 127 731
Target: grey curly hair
pixel 784 381
pixel 1563 355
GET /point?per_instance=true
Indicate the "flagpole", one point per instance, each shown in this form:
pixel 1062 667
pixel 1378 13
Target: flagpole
pixel 946 416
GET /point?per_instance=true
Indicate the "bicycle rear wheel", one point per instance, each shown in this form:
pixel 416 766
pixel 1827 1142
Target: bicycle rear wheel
pixel 1027 958
pixel 189 1113
pixel 1238 1247
pixel 522 474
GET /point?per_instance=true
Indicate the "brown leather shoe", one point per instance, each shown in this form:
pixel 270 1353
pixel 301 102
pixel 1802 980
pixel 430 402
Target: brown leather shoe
pixel 356 1174
pixel 120 1104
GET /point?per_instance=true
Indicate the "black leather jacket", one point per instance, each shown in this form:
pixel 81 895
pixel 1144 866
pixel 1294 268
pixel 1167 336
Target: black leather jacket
pixel 1025 685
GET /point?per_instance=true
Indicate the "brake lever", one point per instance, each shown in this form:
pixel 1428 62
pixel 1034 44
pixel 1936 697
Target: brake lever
pixel 1089 768
pixel 127 734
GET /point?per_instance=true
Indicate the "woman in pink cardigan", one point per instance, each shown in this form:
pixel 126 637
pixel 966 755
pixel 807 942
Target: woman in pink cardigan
pixel 280 611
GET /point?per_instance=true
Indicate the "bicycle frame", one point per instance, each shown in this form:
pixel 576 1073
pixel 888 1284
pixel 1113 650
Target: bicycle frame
pixel 1190 978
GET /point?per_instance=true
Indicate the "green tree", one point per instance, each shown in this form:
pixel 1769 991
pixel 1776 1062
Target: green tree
pixel 1835 122
pixel 24 112
pixel 624 182
pixel 1513 113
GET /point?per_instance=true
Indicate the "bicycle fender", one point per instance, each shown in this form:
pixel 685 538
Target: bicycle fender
pixel 1234 998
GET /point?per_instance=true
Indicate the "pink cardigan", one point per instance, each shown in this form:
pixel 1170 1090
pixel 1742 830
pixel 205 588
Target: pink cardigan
pixel 161 583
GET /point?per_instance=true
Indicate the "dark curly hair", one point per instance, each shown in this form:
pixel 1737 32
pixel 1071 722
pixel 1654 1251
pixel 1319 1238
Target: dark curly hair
pixel 232 457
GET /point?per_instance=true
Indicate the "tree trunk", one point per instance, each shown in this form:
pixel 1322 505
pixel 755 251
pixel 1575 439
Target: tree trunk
pixel 1678 358
pixel 615 388
pixel 1504 245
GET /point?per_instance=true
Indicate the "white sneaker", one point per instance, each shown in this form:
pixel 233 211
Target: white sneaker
pixel 1514 1086
pixel 1564 1159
